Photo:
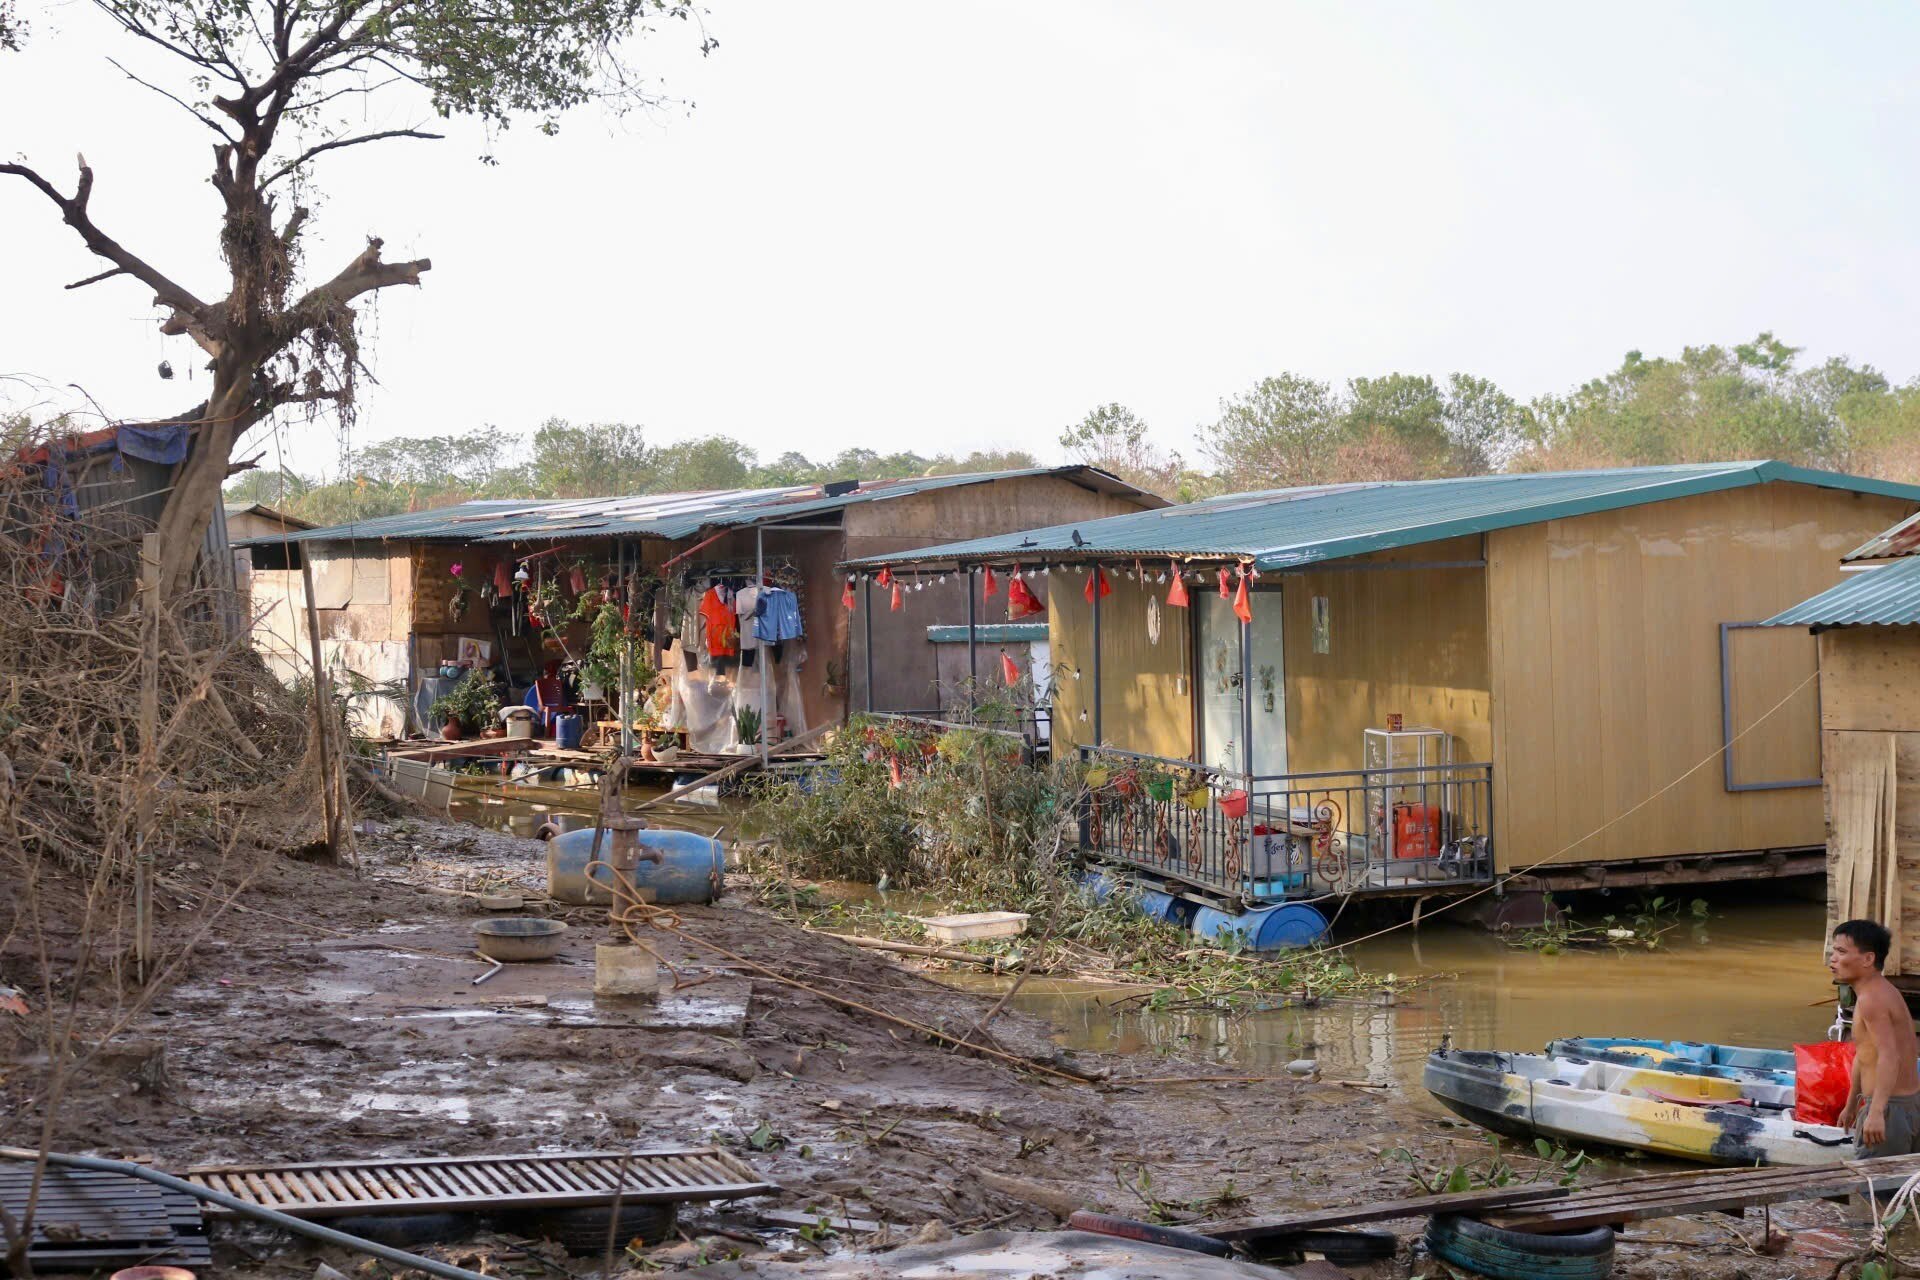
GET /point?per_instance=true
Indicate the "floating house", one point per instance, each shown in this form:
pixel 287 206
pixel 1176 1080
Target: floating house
pixel 401 598
pixel 1867 630
pixel 1407 688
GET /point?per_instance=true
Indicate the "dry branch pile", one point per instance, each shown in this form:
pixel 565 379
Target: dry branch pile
pixel 126 729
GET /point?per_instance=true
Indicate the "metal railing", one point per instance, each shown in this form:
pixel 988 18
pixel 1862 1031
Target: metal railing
pixel 1267 838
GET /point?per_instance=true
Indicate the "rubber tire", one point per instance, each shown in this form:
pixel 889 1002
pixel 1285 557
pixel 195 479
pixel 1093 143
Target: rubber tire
pixel 1520 1255
pixel 407 1230
pixel 1131 1229
pixel 583 1232
pixel 1342 1248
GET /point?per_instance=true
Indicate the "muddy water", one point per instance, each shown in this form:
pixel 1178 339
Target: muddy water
pixel 1750 974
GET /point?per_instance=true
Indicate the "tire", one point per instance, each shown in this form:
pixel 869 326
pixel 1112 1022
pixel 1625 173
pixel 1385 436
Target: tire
pixel 1520 1255
pixel 1342 1248
pixel 1130 1229
pixel 406 1230
pixel 583 1232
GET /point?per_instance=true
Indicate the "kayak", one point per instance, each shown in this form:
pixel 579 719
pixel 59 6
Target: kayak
pixel 1687 1058
pixel 1579 1102
pixel 1694 1051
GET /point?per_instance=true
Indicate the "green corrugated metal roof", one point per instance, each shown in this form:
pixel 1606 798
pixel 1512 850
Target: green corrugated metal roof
pixel 1884 596
pixel 1283 528
pixel 1901 540
pixel 990 633
pixel 667 515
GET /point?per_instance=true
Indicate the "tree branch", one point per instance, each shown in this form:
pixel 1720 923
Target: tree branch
pixel 363 275
pixel 186 308
pixel 202 117
pixel 337 143
pixel 108 274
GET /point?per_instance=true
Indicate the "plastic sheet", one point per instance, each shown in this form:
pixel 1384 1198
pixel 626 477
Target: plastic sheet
pixel 1822 1075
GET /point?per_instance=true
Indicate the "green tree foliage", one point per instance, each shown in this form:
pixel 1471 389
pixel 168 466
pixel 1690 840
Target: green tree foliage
pixel 1114 438
pixel 595 459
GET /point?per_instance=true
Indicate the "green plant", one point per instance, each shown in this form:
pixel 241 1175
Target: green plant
pixel 746 723
pixel 608 640
pixel 473 703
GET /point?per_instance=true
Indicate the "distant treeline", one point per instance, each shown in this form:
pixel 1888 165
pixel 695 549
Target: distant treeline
pixel 1750 400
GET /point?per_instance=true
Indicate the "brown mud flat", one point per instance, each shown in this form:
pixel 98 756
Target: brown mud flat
pixel 335 1017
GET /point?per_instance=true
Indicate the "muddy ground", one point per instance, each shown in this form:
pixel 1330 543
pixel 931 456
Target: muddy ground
pixel 333 1015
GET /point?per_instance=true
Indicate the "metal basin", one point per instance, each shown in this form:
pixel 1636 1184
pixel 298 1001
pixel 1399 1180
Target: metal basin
pixel 514 938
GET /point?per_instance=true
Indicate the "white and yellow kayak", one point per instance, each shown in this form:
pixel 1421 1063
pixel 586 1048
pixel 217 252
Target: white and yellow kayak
pixel 1579 1102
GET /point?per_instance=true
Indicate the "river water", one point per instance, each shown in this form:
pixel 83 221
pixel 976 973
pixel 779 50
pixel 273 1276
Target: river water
pixel 1751 973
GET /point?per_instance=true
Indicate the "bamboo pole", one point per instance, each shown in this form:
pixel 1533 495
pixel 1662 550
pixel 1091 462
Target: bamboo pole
pixel 738 766
pixel 328 797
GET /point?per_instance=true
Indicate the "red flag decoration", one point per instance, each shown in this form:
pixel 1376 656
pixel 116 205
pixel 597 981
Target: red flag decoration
pixel 993 584
pixel 896 597
pixel 1098 575
pixel 1177 593
pixel 846 597
pixel 1224 593
pixel 502 579
pixel 884 577
pixel 1022 603
pixel 1242 608
pixel 1009 669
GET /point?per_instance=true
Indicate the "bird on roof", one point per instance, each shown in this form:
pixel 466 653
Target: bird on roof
pixel 1078 541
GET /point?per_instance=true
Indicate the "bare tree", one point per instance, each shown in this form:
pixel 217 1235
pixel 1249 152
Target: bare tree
pixel 268 79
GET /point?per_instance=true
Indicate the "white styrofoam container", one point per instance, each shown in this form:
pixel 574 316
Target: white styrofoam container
pixel 975 924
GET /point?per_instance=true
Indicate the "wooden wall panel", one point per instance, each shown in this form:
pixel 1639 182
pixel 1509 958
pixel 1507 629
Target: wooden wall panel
pixel 1606 671
pixel 1146 702
pixel 1407 641
pixel 1870 678
pixel 1070 641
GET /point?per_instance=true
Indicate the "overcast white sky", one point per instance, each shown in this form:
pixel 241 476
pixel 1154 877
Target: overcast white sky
pixel 939 227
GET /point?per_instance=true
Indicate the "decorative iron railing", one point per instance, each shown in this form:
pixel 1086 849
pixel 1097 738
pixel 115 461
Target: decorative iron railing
pixel 1298 835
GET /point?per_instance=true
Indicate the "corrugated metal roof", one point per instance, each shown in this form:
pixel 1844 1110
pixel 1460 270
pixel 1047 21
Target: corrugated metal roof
pixel 989 633
pixel 669 515
pixel 1282 528
pixel 1883 596
pixel 1901 540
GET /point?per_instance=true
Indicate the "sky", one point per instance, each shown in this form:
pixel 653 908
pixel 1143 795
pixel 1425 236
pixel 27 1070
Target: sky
pixel 947 227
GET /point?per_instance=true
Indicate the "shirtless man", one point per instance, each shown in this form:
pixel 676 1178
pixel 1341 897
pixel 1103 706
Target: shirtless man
pixel 1885 1092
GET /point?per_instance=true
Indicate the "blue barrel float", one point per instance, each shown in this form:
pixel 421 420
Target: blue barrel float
pixel 569 730
pixel 1276 928
pixel 692 867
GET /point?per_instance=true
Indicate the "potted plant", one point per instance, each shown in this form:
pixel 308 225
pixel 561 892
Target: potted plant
pixel 746 726
pixel 470 706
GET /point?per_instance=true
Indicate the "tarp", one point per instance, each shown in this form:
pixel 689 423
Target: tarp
pixel 1863 869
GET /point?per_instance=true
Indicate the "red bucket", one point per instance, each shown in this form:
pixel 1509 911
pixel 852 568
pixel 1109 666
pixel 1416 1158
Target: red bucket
pixel 1234 804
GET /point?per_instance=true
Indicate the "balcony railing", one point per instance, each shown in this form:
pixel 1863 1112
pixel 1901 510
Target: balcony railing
pixel 1299 835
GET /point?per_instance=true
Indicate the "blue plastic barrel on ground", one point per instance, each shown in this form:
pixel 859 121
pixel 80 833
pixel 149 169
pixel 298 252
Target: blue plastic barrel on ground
pixel 1291 924
pixel 691 866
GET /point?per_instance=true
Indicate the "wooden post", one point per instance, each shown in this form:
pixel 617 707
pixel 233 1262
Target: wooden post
pixel 149 744
pixel 328 797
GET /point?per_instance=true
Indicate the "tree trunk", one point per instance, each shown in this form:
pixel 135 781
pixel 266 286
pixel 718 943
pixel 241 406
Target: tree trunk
pixel 197 482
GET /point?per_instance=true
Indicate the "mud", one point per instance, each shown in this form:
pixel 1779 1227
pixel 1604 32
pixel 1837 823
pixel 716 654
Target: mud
pixel 334 1016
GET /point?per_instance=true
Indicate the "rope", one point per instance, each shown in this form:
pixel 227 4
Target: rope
pixel 1511 876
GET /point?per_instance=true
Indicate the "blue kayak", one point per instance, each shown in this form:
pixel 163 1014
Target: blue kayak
pixel 1692 1057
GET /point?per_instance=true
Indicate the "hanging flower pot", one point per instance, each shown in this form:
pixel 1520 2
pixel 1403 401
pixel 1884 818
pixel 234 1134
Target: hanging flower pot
pixel 1234 804
pixel 1129 783
pixel 1098 775
pixel 1196 798
pixel 1160 790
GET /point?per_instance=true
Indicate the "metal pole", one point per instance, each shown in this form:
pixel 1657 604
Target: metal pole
pixel 765 662
pixel 973 670
pixel 1246 698
pixel 866 626
pixel 626 653
pixel 1097 738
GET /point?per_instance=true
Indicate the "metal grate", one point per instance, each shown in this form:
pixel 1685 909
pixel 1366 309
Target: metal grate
pixel 334 1188
pixel 86 1219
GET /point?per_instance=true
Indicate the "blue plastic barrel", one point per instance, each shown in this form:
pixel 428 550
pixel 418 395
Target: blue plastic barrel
pixel 1291 924
pixel 569 730
pixel 692 867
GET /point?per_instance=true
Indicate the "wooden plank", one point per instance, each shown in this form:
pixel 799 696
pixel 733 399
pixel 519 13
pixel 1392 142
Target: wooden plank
pixel 1379 1211
pixel 1713 1191
pixel 1870 679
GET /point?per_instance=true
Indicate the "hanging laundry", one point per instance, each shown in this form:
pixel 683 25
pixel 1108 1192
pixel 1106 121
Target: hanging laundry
pixel 721 625
pixel 1225 592
pixel 992 584
pixel 1022 603
pixel 1177 593
pixel 1242 607
pixel 1097 577
pixel 777 616
pixel 746 606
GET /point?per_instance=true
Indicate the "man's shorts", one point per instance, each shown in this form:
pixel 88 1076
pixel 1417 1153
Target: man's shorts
pixel 1903 1128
